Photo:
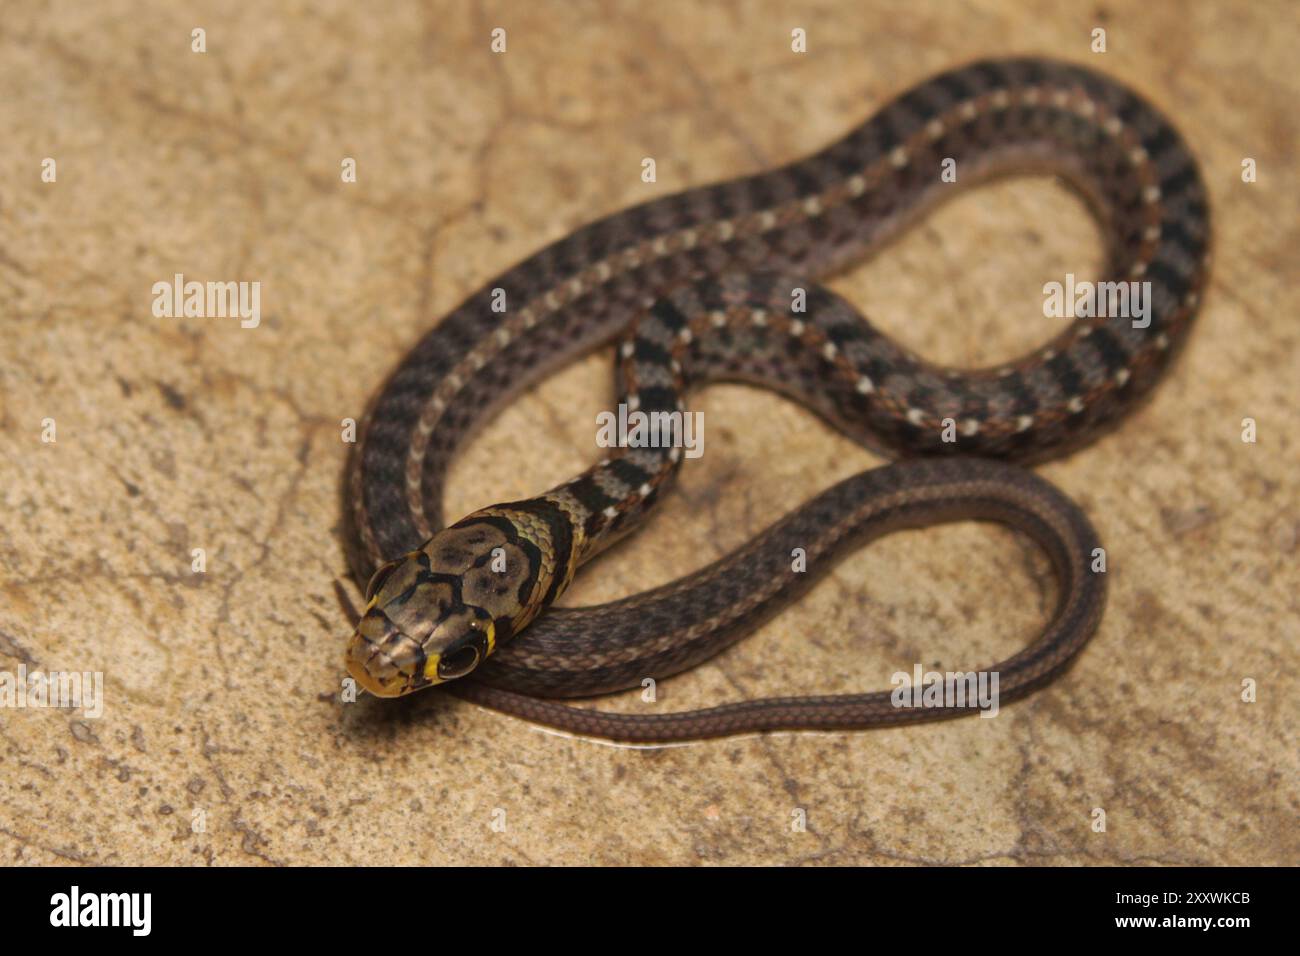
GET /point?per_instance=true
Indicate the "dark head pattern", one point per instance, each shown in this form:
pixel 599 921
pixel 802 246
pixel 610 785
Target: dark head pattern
pixel 435 614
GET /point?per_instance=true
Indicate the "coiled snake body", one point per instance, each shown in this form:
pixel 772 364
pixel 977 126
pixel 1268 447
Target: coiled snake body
pixel 701 286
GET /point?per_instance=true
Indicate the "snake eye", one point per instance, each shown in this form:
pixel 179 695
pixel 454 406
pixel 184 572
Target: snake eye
pixel 378 578
pixel 458 663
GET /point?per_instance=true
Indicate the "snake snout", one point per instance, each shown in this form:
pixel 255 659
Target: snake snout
pixel 385 666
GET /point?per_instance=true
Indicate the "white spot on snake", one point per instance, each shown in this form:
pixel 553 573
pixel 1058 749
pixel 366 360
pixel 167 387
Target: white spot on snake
pixel 1139 269
pixel 1075 404
pixel 1162 341
pixel 1137 156
pixel 797 327
pixel 528 318
pixel 934 128
pixel 725 230
pixel 1151 233
pixel 575 287
pixel 718 318
pixel 685 334
pixel 1060 98
pixel 552 300
pixel 674 454
pixel 1121 376
pixel 1113 125
pixel 689 239
pixel 865 386
pixel 633 402
pixel 603 271
pixel 812 206
pixel 643 490
pixel 627 349
pixel 758 317
pixel 502 336
pixel 1001 99
pixel 969 110
pixel 915 416
pixel 1049 354
pixel 660 246
pixel 1151 194
pixel 970 427
pixel 829 350
pixel 1086 108
pixel 857 185
pixel 766 220
pixel 898 156
pixel 1030 95
pixel 611 512
pixel 1024 423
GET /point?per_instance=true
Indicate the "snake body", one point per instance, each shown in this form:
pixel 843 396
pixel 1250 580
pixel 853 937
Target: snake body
pixel 719 283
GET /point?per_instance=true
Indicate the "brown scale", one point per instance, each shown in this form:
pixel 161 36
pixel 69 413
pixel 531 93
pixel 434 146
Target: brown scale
pixel 739 247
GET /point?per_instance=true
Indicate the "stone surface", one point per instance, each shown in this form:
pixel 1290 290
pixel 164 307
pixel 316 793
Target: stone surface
pixel 176 434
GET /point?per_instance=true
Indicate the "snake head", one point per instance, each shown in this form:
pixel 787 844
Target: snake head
pixel 436 613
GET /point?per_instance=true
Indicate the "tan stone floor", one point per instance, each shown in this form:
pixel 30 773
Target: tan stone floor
pixel 177 434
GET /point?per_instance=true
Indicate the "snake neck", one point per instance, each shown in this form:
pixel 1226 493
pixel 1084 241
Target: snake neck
pixel 536 546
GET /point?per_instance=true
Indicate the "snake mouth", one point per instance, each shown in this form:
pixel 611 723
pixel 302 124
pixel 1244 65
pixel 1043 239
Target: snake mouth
pixel 373 684
pixel 376 669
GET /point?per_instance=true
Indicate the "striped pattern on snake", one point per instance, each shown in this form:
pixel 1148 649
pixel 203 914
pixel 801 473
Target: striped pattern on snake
pixel 698 287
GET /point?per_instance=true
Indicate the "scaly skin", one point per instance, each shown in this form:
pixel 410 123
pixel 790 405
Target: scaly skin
pixel 699 287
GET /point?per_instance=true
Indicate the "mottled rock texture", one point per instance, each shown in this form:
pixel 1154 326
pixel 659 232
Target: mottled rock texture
pixel 176 434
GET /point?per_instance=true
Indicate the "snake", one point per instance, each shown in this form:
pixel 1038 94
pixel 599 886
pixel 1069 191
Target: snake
pixel 722 282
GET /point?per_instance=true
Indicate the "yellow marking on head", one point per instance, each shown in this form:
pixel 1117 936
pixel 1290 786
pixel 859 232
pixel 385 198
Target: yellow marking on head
pixel 431 667
pixel 491 631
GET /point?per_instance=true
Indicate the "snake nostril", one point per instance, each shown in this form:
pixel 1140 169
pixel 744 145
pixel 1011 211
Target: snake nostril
pixel 458 663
